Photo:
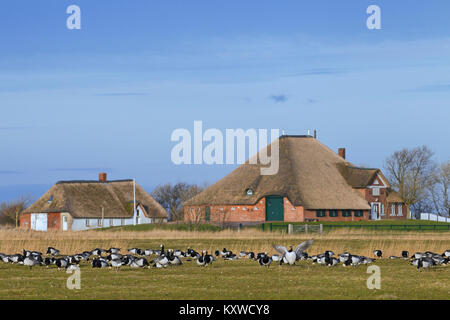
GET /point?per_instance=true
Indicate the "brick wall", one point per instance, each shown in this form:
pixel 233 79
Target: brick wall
pixel 25 221
pixel 311 214
pixel 53 221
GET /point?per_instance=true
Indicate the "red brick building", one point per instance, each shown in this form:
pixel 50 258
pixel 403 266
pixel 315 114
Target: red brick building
pixel 313 183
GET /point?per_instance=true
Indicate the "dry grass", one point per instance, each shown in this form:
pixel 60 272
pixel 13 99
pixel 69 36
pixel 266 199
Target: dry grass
pixel 359 241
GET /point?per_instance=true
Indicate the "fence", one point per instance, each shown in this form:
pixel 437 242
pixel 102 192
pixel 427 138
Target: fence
pixel 433 217
pixel 304 228
pixel 293 228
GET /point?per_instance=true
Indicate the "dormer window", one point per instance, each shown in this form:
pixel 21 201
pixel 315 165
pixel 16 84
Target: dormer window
pixel 50 200
pixel 249 192
pixel 376 191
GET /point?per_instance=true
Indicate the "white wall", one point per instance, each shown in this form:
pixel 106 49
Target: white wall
pixel 433 217
pixel 80 224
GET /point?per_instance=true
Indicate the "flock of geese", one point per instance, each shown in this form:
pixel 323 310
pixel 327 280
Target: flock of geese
pixel 161 258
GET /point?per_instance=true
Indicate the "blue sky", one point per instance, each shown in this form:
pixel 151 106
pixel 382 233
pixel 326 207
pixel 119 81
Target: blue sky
pixel 107 97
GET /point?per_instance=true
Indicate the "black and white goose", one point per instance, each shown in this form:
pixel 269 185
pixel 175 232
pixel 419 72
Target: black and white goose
pixel 173 259
pixel 378 254
pixel 117 263
pixel 139 263
pixel 52 251
pixel 97 252
pixel 290 256
pixel 16 258
pixel 243 254
pixel 31 262
pixel 61 263
pixel 49 261
pixel 405 254
pixel 99 263
pixel 205 259
pixel 446 254
pixel 225 252
pixel 424 262
pixel 265 260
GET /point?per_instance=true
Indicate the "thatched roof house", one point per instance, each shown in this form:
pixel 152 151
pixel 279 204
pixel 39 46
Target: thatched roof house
pixel 311 177
pixel 83 203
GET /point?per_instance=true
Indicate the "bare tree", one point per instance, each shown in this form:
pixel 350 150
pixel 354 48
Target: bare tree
pixel 172 197
pixel 195 217
pixel 10 211
pixel 410 171
pixel 440 188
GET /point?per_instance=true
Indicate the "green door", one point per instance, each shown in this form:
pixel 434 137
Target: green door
pixel 274 208
pixel 207 213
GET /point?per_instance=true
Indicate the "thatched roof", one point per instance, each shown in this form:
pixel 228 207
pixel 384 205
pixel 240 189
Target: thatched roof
pixel 357 177
pixel 394 197
pixel 310 175
pixel 85 199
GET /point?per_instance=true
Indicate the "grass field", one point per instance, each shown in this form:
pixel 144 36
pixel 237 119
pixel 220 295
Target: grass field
pixel 243 279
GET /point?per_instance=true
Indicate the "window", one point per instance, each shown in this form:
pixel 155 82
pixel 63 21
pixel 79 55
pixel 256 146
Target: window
pixel 392 209
pixel 334 213
pixel 249 192
pixel 359 213
pixel 111 222
pixel 99 222
pixel 375 191
pixel 320 213
pixel 400 210
pixel 87 223
pixel 346 213
pixel 122 222
pixel 382 209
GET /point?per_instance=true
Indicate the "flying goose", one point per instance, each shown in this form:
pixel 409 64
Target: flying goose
pixel 290 256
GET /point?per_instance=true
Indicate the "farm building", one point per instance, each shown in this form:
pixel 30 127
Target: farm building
pixel 82 205
pixel 313 183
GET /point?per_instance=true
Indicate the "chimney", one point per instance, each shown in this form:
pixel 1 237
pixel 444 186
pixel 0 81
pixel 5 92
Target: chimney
pixel 341 152
pixel 315 134
pixel 102 177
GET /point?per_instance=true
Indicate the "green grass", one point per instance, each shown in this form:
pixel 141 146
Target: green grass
pixel 243 279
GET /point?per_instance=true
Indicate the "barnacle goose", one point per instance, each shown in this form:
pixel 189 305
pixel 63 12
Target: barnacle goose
pixel 99 263
pixel 424 262
pixel 265 260
pixel 49 261
pixel 446 254
pixel 405 254
pixel 205 259
pixel 243 254
pixel 290 256
pixel 61 263
pixel 378 253
pixel 16 258
pixel 117 263
pixel 52 251
pixel 113 250
pixel 173 260
pixel 30 262
pixel 97 252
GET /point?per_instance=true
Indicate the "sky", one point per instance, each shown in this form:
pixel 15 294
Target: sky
pixel 108 96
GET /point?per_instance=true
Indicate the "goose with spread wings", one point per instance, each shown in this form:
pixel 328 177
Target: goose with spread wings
pixel 291 256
